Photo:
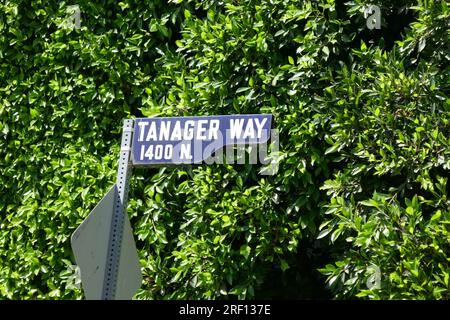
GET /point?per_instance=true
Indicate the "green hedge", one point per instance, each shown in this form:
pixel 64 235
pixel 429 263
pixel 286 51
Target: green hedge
pixel 363 117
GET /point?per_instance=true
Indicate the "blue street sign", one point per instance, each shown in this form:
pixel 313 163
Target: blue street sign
pixel 190 140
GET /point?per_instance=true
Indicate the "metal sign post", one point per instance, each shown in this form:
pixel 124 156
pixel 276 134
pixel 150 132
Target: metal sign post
pixel 103 244
pixel 119 213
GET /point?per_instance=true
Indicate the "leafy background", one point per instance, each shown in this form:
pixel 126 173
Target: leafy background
pixel 364 129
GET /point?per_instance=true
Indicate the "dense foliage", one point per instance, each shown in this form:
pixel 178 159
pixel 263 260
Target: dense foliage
pixel 364 162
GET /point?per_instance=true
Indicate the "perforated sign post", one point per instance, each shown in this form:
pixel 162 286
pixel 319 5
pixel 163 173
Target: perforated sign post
pixel 103 244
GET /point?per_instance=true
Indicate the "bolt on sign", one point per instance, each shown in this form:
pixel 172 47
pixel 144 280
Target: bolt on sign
pixel 103 245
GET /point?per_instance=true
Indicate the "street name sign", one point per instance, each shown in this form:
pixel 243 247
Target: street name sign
pixel 192 140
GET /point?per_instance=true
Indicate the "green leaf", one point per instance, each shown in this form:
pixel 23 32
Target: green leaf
pixel 245 251
pixel 323 233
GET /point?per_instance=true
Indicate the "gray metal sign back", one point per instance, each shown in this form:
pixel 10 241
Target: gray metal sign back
pixel 90 243
pixel 90 246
